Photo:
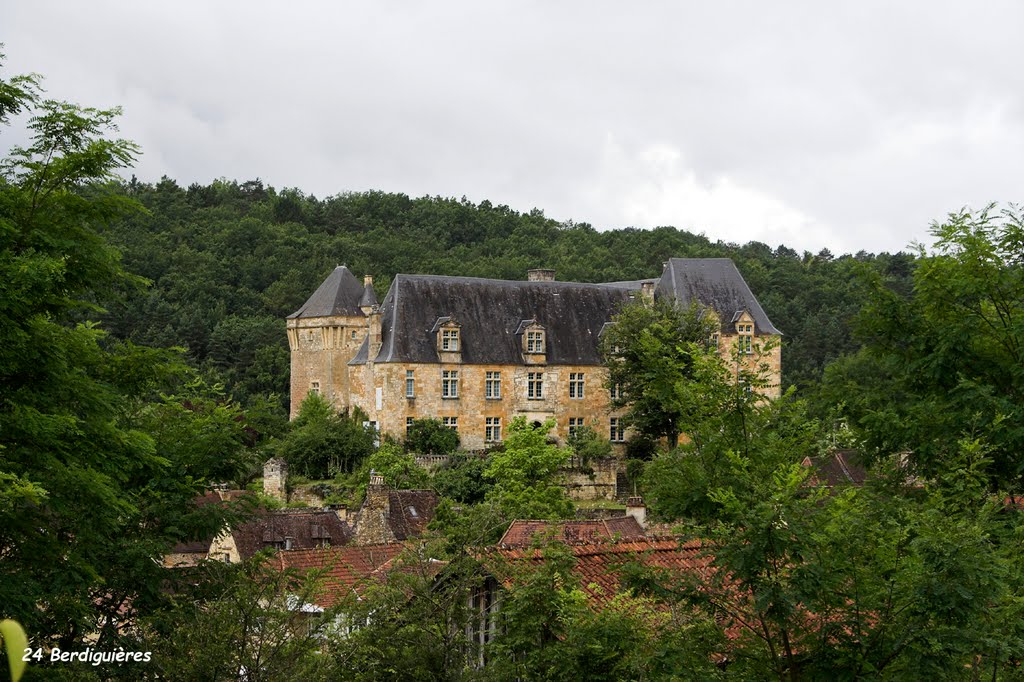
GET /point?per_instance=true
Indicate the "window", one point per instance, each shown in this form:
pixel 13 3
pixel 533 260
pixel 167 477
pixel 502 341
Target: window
pixel 492 386
pixel 314 387
pixel 535 342
pixel 492 429
pixel 617 433
pixel 451 422
pixel 353 333
pixel 615 392
pixel 535 386
pixel 576 385
pixel 408 426
pixel 410 383
pixel 450 384
pixel 450 340
pixel 746 332
pixel 574 424
pixel 713 342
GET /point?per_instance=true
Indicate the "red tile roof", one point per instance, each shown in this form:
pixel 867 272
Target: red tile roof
pixel 599 564
pixel 345 569
pixel 521 533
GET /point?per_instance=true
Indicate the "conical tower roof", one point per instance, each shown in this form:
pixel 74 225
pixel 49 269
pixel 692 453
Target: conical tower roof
pixel 339 294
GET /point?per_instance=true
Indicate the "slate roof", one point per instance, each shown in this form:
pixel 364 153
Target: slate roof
pixel 346 569
pixel 307 528
pixel 842 467
pixel 410 511
pixel 489 312
pixel 716 283
pixel 521 533
pixel 339 294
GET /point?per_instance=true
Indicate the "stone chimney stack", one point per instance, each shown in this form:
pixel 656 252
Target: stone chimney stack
pixel 647 292
pixel 367 281
pixel 275 478
pixel 373 527
pixel 376 319
pixel 636 508
pixel 540 275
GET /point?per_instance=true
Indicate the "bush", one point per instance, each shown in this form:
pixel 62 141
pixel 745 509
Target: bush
pixel 431 437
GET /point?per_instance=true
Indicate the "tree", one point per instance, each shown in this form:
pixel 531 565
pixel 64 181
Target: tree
pixel 322 442
pixel 91 499
pixel 651 350
pixel 524 474
pixel 945 360
pixel 431 437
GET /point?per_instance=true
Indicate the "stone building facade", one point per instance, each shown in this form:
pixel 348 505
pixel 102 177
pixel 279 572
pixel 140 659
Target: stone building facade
pixel 477 353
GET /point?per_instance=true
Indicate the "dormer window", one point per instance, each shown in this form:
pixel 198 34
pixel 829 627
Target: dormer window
pixel 535 341
pixel 450 340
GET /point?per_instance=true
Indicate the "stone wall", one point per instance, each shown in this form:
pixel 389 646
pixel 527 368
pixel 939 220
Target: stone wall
pixel 372 526
pixel 275 478
pixel 379 389
pixel 321 348
pixel 598 485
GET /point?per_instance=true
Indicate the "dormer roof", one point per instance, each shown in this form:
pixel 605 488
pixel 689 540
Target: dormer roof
pixel 340 294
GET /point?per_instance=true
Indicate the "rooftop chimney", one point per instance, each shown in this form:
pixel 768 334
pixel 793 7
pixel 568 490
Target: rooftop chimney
pixel 647 291
pixel 367 280
pixel 540 275
pixel 636 508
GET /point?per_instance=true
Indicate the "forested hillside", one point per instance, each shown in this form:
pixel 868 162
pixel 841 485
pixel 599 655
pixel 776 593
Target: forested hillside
pixel 228 261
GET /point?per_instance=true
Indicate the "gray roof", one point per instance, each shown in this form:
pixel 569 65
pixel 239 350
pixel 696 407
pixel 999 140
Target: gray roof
pixel 340 294
pixel 491 314
pixel 717 284
pixel 369 298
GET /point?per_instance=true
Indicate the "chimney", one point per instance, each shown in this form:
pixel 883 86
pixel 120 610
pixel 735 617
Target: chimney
pixel 275 476
pixel 540 275
pixel 340 510
pixel 367 280
pixel 373 526
pixel 636 508
pixel 647 292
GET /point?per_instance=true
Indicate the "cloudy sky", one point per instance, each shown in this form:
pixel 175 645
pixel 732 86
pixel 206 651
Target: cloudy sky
pixel 798 122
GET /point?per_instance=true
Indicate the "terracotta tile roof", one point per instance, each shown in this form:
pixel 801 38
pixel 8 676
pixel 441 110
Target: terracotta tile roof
pixel 307 529
pixel 345 569
pixel 521 533
pixel 599 564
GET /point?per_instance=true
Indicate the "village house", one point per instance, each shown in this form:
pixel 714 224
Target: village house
pixel 477 353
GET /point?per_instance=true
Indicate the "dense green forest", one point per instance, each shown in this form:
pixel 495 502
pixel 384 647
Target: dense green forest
pixel 228 261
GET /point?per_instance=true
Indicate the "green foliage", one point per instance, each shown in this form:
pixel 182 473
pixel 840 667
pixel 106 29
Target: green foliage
pixel 653 352
pixel 398 468
pixel 323 443
pixel 462 479
pixel 15 644
pixel 431 437
pixel 239 622
pixel 587 446
pixel 944 360
pixel 524 474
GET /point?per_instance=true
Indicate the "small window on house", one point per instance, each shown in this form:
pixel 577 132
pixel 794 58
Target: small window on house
pixel 535 341
pixel 535 386
pixel 576 385
pixel 713 341
pixel 745 342
pixel 450 340
pixel 451 422
pixel 450 384
pixel 615 392
pixel 314 387
pixel 617 433
pixel 353 333
pixel 408 425
pixel 410 383
pixel 492 429
pixel 575 423
pixel 492 386
pixel 289 543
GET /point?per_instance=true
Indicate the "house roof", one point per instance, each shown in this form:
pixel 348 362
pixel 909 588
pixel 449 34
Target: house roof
pixel 345 569
pixel 521 533
pixel 307 529
pixel 599 564
pixel 340 294
pixel 717 284
pixel 489 312
pixel 841 467
pixel 410 511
